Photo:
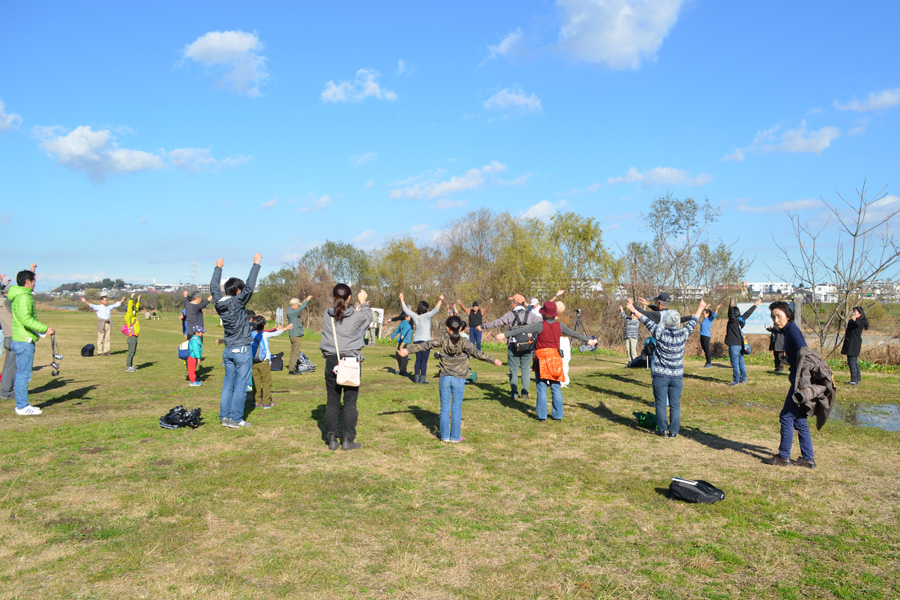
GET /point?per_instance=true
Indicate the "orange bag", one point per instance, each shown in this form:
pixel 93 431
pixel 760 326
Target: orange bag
pixel 550 364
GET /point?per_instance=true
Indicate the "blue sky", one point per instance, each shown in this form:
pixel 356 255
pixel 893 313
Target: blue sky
pixel 135 139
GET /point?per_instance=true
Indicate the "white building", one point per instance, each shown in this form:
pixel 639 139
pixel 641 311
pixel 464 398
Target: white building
pixel 770 288
pixel 826 292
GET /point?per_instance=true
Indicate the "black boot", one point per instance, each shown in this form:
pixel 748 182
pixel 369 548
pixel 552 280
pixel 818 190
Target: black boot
pixel 333 443
pixel 350 445
pixel 424 379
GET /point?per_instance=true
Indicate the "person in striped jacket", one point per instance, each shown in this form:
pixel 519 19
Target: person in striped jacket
pixel 667 364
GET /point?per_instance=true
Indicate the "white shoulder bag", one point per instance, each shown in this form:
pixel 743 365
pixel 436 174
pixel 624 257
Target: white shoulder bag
pixel 347 369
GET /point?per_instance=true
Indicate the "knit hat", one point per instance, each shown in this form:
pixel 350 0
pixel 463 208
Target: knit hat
pixel 672 319
pixel 474 303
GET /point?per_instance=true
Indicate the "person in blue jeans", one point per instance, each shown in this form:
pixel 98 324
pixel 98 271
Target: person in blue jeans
pixel 455 351
pixel 26 330
pixel 735 340
pixel 237 355
pixel 792 416
pixel 476 319
pixel 667 364
pixel 421 320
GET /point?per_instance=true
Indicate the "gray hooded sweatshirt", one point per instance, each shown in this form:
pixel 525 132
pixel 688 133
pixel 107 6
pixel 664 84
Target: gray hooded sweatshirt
pixel 349 331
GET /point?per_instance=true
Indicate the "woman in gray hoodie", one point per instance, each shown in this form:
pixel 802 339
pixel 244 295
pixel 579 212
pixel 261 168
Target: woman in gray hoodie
pixel 421 320
pixel 349 324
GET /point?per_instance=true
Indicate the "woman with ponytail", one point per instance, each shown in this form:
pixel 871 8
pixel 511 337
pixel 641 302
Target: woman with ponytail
pixel 853 342
pixel 342 337
pixel 455 351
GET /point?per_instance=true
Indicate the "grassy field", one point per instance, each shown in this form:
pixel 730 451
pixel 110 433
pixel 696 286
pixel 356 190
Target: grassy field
pixel 97 501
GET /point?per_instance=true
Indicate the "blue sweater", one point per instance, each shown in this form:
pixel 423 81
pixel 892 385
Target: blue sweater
pixel 668 360
pixel 706 324
pixel 793 341
pixel 404 330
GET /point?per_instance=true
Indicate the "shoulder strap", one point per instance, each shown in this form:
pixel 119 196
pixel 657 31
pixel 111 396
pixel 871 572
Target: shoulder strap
pixel 334 331
pixel 516 318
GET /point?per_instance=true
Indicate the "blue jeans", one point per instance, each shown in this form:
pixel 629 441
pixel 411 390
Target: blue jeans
pixel 238 367
pixel 452 389
pixel 792 417
pixel 668 390
pixel 738 366
pixel 475 337
pixel 555 395
pixel 24 352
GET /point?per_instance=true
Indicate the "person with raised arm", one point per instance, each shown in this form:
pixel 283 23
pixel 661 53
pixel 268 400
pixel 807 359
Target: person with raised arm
pixel 103 322
pixel 237 356
pixel 421 320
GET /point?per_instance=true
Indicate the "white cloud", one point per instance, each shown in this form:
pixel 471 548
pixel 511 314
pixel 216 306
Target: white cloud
pixel 403 68
pixel 365 85
pixel 201 159
pixel 445 204
pixel 360 159
pixel 875 101
pixel 8 121
pixel 593 187
pixel 313 203
pixel 800 139
pixel 268 204
pixel 430 188
pixel 98 154
pixel 370 183
pixel 94 152
pixel 364 237
pixel 788 205
pixel 660 176
pixel 514 99
pixel 544 210
pixel 620 34
pixel 506 46
pixel 520 180
pixel 236 55
pixel 737 155
pixel 886 201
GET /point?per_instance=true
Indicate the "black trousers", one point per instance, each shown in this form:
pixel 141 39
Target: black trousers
pixel 333 405
pixel 853 363
pixel 704 343
pixel 421 363
pixel 779 360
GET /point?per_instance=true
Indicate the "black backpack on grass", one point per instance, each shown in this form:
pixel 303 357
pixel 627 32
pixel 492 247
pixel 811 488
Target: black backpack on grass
pixel 277 361
pixel 695 491
pixel 181 417
pixel 87 351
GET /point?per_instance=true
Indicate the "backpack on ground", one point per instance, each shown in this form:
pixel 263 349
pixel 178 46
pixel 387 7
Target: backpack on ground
pixel 181 417
pixel 304 365
pixel 645 419
pixel 277 361
pixel 695 491
pixel 524 343
pixel 87 350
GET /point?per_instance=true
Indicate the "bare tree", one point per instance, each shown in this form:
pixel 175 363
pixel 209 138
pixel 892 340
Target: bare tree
pixel 866 250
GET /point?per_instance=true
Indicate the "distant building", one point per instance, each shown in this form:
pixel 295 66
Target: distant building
pixel 770 288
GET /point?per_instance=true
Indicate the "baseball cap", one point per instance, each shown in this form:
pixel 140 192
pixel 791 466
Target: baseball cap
pixel 533 302
pixel 518 298
pixel 663 297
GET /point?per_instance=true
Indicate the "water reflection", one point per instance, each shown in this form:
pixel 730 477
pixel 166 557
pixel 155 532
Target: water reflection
pixel 882 416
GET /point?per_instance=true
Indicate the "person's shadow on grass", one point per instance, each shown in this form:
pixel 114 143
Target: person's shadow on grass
pixel 53 384
pixel 428 419
pixel 145 365
pixel 318 415
pixel 716 442
pixel 617 394
pixel 504 397
pixel 602 411
pixel 623 379
pixel 76 394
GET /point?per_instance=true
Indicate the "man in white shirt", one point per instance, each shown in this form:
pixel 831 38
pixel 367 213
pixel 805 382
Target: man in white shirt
pixel 103 322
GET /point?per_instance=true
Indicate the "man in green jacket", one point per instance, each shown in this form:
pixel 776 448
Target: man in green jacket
pixel 26 330
pixel 293 316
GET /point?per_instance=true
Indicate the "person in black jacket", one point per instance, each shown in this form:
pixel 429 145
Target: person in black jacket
pixel 735 341
pixel 853 341
pixel 776 347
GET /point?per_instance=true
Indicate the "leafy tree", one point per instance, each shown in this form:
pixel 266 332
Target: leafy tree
pixel 346 263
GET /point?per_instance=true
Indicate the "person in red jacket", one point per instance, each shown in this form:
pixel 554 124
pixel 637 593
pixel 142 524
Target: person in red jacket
pixel 548 369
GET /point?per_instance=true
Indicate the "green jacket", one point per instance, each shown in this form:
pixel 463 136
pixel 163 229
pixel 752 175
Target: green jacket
pixel 454 358
pixel 293 317
pixel 25 326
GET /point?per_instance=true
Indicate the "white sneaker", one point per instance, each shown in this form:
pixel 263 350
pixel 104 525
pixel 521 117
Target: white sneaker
pixel 29 410
pixel 242 423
